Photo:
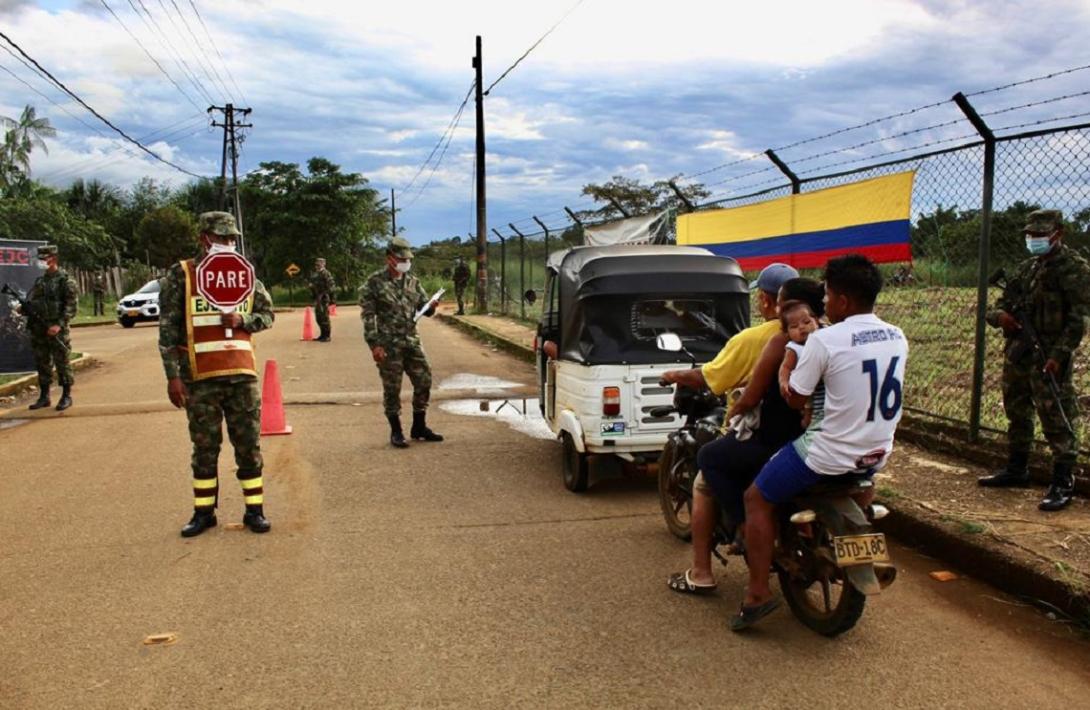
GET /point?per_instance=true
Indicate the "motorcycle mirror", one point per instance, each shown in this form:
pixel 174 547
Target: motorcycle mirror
pixel 530 296
pixel 669 342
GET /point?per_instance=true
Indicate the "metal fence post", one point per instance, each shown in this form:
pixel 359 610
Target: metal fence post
pixel 503 272
pixel 522 269
pixel 546 230
pixel 796 184
pixel 985 255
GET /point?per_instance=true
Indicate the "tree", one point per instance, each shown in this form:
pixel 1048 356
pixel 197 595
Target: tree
pixel 166 235
pixel 82 243
pixel 637 198
pixel 21 137
pixel 294 217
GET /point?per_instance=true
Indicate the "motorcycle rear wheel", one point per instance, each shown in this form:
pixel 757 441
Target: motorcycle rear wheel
pixel 814 606
pixel 676 503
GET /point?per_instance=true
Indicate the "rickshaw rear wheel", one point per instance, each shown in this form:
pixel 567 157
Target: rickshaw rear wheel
pixel 576 469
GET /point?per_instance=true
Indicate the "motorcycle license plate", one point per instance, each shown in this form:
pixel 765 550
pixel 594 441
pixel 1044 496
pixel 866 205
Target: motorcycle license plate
pixel 133 314
pixel 860 549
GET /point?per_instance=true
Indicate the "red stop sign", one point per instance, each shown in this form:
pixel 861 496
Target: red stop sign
pixel 225 279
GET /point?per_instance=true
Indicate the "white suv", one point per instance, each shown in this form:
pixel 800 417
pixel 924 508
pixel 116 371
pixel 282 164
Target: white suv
pixel 140 306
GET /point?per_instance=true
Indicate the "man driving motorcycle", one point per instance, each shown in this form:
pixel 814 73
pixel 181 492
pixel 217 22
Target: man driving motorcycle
pixel 861 361
pixel 730 369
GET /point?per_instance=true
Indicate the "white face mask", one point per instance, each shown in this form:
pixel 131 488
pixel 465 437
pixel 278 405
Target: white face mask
pixel 403 267
pixel 217 248
pixel 43 264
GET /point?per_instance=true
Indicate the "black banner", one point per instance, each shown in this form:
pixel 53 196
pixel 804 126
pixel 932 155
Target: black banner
pixel 18 267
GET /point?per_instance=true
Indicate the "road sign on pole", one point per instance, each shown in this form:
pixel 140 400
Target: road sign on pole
pixel 292 270
pixel 225 280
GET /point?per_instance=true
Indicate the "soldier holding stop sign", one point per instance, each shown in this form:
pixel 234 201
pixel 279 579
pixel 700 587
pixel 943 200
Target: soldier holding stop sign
pixel 211 371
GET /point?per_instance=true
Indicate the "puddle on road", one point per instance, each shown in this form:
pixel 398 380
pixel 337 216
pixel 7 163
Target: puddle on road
pixel 522 415
pixel 11 423
pixel 479 383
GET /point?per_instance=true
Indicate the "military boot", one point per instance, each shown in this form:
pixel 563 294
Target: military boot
pixel 200 522
pixel 420 430
pixel 1062 488
pixel 397 437
pixel 66 399
pixel 255 519
pixel 323 336
pixel 43 396
pixel 1015 473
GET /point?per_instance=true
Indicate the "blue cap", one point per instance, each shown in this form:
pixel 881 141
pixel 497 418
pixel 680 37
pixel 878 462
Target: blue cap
pixel 773 276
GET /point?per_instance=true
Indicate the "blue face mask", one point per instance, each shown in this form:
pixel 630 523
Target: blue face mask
pixel 1038 246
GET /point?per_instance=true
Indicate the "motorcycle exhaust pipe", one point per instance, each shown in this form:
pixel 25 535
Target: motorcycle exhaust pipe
pixel 886 573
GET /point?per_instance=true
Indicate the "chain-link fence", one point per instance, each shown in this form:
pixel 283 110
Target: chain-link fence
pixel 956 364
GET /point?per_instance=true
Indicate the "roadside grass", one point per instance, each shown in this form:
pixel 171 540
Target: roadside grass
pixel 963 525
pixel 87 307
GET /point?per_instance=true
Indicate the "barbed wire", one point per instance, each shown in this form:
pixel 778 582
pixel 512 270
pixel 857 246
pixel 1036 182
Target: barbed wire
pixel 1023 82
pixel 1042 121
pixel 1033 104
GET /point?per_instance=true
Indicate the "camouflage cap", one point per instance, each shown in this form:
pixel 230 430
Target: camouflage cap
pixel 1044 221
pixel 219 223
pixel 400 247
pixel 47 250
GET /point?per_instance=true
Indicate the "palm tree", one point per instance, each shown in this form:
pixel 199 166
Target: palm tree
pixel 22 136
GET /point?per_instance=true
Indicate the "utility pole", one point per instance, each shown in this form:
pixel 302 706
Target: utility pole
pixel 393 215
pixel 231 141
pixel 482 210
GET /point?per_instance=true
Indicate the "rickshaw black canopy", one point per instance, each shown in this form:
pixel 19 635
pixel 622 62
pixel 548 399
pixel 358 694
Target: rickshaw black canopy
pixel 613 301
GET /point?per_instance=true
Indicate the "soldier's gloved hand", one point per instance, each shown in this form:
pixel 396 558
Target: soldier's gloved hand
pixel 1009 323
pixel 379 353
pixel 179 395
pixel 231 320
pixel 1052 367
pixel 53 330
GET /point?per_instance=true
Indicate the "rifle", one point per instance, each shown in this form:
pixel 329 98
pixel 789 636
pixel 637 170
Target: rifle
pixel 20 299
pixel 1028 339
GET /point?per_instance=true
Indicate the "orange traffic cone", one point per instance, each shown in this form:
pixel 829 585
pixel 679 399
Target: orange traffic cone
pixel 272 403
pixel 332 309
pixel 308 324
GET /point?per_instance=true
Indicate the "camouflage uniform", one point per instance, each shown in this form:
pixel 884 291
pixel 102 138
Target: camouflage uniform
pixel 98 289
pixel 1049 293
pixel 387 307
pixel 235 399
pixel 461 280
pixel 53 298
pixel 321 288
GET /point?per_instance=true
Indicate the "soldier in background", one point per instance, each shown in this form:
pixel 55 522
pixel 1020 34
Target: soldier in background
pixel 461 280
pixel 389 300
pixel 322 289
pixel 98 290
pixel 1048 292
pixel 218 381
pixel 53 300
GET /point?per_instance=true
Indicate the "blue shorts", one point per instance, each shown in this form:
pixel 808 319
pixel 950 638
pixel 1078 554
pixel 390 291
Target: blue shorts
pixel 785 476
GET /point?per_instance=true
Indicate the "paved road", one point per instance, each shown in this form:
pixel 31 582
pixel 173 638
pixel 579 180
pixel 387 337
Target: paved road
pixel 458 574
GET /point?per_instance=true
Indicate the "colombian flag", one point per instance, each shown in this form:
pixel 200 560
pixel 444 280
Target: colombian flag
pixel 869 217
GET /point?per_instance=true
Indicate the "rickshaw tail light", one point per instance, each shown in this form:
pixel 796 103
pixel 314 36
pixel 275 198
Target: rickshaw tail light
pixel 611 401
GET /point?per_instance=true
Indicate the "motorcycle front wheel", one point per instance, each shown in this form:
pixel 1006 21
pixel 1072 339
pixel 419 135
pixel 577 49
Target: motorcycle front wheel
pixel 674 498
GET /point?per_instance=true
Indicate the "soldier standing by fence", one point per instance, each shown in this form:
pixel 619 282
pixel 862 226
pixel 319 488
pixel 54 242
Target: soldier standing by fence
pixel 216 381
pixel 98 290
pixel 1042 313
pixel 52 302
pixel 389 300
pixel 461 280
pixel 322 288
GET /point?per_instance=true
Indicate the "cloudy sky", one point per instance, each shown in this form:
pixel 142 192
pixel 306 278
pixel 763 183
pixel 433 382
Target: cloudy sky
pixel 632 87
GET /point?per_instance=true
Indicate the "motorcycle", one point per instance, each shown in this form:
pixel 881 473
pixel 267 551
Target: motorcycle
pixel 828 558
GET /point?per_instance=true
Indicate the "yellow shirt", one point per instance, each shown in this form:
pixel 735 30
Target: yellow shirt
pixel 734 363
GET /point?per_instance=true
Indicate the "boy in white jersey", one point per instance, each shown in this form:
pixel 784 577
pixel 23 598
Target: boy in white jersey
pixel 861 361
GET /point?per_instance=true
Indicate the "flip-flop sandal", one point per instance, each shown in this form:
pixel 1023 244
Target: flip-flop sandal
pixel 682 583
pixel 747 616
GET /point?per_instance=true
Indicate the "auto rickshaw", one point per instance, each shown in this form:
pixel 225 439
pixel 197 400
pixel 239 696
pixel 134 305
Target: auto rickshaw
pixel 598 363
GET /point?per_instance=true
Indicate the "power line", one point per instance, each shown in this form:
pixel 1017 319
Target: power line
pixel 164 41
pixel 95 113
pixel 457 116
pixel 152 58
pixel 450 137
pixel 201 52
pixel 533 46
pixel 211 41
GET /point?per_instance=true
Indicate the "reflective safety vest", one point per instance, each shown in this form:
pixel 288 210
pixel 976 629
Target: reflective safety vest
pixel 211 352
